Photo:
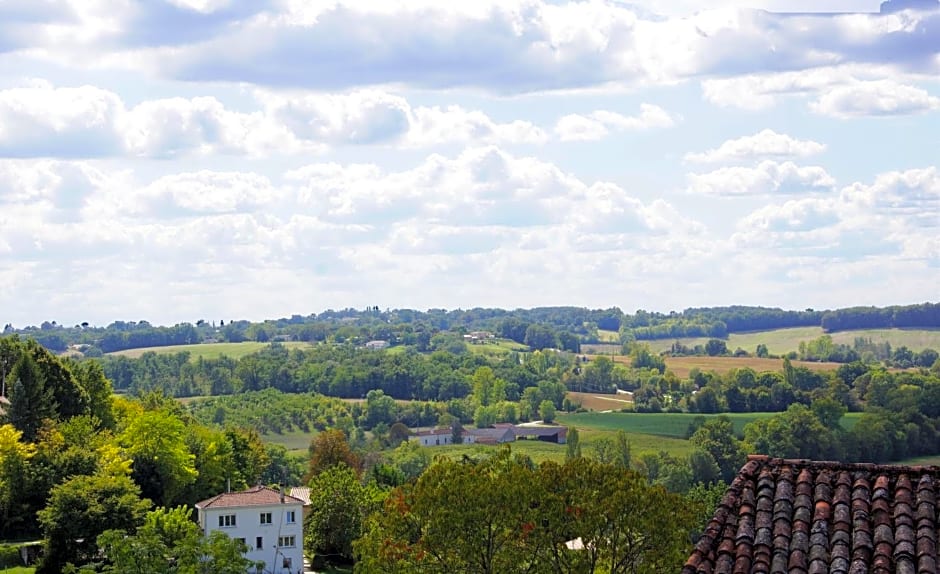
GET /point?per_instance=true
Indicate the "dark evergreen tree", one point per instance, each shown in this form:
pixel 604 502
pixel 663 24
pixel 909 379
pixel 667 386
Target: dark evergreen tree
pixel 31 401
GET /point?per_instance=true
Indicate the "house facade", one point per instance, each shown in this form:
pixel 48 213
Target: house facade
pixel 269 522
pixel 437 437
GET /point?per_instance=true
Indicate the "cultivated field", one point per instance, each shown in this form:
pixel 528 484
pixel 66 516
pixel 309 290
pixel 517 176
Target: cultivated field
pixel 681 366
pixel 782 341
pixel 600 402
pixel 209 350
pixel 670 425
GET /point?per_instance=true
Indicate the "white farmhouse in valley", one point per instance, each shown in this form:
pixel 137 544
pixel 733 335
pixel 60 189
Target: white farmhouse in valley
pixel 268 521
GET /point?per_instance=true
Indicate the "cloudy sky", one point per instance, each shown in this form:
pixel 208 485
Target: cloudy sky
pixel 172 160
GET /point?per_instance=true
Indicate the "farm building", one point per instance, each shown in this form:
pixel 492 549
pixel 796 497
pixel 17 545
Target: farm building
pixel 783 515
pixel 377 344
pixel 556 434
pixel 434 437
pixel 497 434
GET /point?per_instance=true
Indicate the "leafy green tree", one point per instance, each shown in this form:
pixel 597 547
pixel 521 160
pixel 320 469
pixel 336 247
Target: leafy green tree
pixel 715 347
pixel 828 411
pixel 457 517
pixel 704 468
pixel 251 456
pixel 572 444
pixel 163 465
pixel 97 388
pixel 604 450
pixel 503 515
pixel 82 508
pixel 411 459
pixel 622 450
pixel 547 411
pixel 398 433
pixel 623 524
pixel 339 506
pixel 716 437
pixel 540 337
pixel 169 542
pixel 484 417
pixel 14 464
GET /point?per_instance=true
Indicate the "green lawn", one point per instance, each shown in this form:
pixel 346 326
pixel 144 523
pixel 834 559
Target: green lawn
pixel 18 570
pixel 782 341
pixel 608 336
pixel 668 425
pixel 496 347
pixel 210 350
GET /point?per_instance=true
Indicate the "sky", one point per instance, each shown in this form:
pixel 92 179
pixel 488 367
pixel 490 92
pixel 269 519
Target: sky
pixel 177 160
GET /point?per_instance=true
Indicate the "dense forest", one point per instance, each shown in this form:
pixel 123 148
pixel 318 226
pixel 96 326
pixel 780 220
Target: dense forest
pixel 558 327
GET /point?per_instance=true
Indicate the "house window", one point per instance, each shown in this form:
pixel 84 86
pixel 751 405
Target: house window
pixel 286 541
pixel 290 517
pixel 242 543
pixel 226 521
pixel 259 542
pixel 265 518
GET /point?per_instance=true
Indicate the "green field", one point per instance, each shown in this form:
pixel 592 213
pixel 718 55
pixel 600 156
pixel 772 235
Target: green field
pixel 496 347
pixel 608 336
pixel 209 350
pixel 18 570
pixel 671 425
pixel 782 341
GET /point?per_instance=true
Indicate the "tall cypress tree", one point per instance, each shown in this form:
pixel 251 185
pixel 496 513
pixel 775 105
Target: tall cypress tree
pixel 31 402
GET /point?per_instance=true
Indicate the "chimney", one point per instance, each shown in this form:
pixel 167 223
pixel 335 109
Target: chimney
pixel 228 485
pixel 281 488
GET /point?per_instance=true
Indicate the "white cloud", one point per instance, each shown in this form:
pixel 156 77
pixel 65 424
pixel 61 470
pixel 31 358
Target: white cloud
pixel 844 91
pixel 598 124
pixel 874 98
pixel 767 177
pixel 70 122
pixel 507 47
pixel 42 120
pixel 377 117
pixel 764 144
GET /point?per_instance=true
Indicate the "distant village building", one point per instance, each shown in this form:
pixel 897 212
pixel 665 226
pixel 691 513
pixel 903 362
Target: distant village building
pixel 477 337
pixel 377 344
pixel 436 436
pixel 268 521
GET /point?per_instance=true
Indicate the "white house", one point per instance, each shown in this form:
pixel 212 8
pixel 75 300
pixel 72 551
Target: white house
pixel 439 436
pixel 269 522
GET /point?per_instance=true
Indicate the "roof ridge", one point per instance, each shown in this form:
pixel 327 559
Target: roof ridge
pixel 835 464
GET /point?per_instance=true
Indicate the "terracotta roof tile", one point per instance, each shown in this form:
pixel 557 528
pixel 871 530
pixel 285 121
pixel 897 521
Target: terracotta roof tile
pixel 823 517
pixel 256 496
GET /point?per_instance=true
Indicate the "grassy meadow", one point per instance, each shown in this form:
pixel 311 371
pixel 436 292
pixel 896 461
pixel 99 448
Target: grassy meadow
pixel 496 347
pixel 209 350
pixel 782 341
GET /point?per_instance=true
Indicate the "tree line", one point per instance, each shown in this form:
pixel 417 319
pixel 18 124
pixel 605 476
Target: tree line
pixel 559 327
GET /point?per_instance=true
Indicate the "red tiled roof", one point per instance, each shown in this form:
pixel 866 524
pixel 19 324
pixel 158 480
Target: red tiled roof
pixel 810 517
pixel 256 496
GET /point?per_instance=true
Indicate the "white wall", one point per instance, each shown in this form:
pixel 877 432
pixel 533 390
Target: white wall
pixel 248 526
